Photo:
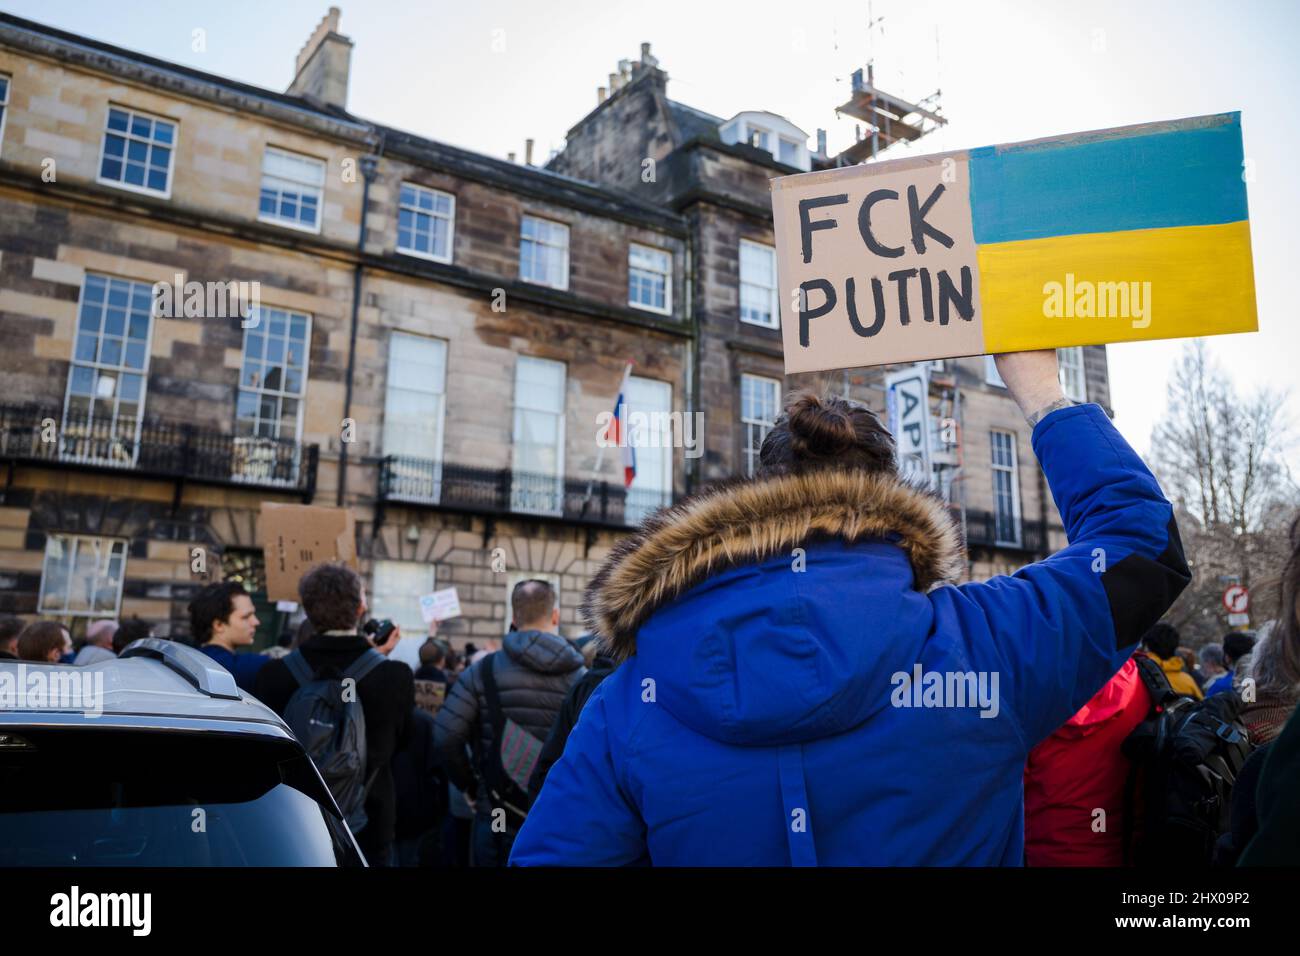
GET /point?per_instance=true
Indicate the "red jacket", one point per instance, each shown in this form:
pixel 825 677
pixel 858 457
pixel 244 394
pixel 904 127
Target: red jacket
pixel 1080 769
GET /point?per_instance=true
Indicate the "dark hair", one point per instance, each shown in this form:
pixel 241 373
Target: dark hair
pixel 10 628
pixel 37 639
pixel 531 601
pixel 331 597
pixel 130 631
pixel 433 652
pixel 1237 645
pixel 216 602
pixel 1161 640
pixel 822 431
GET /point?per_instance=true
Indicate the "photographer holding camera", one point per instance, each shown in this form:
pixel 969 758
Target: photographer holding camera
pixel 309 689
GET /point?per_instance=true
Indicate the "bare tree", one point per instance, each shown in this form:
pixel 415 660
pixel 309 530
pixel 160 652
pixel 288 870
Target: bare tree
pixel 1222 459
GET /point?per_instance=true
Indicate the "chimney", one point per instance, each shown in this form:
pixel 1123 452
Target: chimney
pixel 321 70
pixel 625 70
pixel 600 95
pixel 528 152
pixel 615 83
pixel 821 142
pixel 646 58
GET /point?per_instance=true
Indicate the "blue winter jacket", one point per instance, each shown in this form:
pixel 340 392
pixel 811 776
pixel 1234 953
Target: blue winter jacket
pixel 797 689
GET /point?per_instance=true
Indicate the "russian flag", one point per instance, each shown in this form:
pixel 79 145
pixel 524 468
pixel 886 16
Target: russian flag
pixel 618 430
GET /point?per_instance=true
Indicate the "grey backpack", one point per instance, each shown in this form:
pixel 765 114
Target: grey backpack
pixel 333 730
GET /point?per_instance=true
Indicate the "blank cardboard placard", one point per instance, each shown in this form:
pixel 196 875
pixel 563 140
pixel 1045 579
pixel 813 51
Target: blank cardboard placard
pixel 1138 232
pixel 296 537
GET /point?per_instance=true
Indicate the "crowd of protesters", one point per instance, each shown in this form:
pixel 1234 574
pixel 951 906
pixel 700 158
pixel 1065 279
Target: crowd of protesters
pixel 736 708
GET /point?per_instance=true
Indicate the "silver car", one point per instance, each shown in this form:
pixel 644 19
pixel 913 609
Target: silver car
pixel 160 761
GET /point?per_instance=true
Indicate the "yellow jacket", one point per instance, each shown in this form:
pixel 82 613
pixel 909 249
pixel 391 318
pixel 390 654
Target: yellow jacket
pixel 1181 681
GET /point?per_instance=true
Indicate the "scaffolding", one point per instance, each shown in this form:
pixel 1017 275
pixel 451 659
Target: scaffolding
pixel 889 119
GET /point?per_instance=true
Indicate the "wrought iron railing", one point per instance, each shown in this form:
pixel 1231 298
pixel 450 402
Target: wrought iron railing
pixel 155 448
pixel 991 530
pixel 503 491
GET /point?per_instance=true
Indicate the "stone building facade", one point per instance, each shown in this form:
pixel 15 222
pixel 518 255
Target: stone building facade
pixel 435 336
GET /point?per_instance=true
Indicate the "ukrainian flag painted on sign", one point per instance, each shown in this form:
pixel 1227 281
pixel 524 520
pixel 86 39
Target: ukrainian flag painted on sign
pixel 1110 236
pixel 1126 227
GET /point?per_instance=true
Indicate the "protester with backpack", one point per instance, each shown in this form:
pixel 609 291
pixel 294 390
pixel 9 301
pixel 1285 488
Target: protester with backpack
pixel 503 706
pixel 346 702
pixel 795 689
pixel 1160 644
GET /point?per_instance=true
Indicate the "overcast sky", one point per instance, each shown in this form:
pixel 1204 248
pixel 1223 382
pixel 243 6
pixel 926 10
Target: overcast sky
pixel 486 75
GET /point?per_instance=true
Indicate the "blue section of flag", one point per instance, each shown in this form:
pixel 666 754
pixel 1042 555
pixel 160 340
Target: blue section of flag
pixel 1183 175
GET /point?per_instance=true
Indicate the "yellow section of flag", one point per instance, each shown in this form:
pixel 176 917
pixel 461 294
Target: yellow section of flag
pixel 1117 287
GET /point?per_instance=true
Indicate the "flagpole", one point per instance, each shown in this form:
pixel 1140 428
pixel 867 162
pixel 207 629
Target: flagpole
pixel 600 448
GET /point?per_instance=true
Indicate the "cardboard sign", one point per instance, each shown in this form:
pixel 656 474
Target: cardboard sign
pixel 440 605
pixel 295 537
pixel 1117 235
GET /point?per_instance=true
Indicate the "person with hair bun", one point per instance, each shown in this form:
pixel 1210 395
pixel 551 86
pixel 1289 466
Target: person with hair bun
pixel 800 680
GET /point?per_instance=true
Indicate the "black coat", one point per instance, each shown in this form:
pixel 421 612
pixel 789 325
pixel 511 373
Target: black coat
pixel 1277 843
pixel 387 696
pixel 421 790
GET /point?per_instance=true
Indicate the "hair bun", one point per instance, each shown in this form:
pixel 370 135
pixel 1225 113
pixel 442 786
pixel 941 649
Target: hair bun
pixel 817 429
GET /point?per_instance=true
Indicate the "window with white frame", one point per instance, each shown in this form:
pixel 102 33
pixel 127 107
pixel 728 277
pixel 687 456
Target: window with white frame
pixel 760 402
pixel 1006 488
pixel 991 374
pixel 760 138
pixel 4 105
pixel 138 150
pixel 538 485
pixel 544 252
pixel 650 278
pixel 1073 383
pixel 395 592
pixel 788 152
pixel 273 374
pixel 293 188
pixel 426 221
pixel 109 373
pixel 414 408
pixel 82 576
pixel 650 435
pixel 758 296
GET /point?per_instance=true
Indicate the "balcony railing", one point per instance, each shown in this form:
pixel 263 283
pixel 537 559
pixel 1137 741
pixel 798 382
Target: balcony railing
pixel 989 530
pixel 503 491
pixel 161 449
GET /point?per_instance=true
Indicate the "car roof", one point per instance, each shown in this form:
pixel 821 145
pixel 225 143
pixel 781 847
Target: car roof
pixel 158 678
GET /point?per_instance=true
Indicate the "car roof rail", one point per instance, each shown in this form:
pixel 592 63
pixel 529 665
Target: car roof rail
pixel 207 676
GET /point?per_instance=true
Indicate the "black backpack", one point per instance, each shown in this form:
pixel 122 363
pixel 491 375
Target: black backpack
pixel 512 757
pixel 1186 756
pixel 333 730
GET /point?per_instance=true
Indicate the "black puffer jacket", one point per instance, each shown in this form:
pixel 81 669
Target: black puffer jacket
pixel 533 681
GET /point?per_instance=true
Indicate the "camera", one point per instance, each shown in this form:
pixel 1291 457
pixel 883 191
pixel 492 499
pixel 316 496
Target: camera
pixel 378 631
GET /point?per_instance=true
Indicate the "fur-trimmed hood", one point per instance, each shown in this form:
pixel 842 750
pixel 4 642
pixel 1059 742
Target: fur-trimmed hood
pixel 743 522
